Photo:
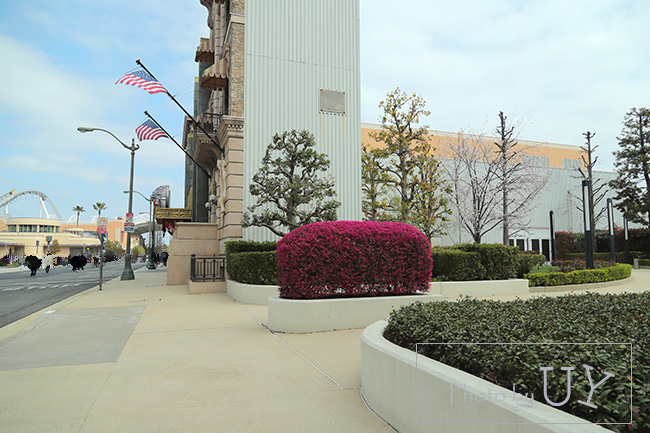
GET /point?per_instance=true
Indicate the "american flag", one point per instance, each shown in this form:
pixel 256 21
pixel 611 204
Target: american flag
pixel 143 80
pixel 148 130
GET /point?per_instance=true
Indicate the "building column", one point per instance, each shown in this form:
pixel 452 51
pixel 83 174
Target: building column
pixel 231 137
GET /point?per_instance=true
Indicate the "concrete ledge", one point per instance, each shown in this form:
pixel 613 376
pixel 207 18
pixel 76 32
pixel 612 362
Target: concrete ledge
pixel 414 393
pixel 454 289
pixel 194 288
pixel 300 316
pixel 250 293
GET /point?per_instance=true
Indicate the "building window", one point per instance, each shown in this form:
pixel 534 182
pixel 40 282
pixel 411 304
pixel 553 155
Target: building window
pixel 540 161
pixel 12 228
pixel 535 245
pixel 28 228
pixel 571 163
pixel 521 244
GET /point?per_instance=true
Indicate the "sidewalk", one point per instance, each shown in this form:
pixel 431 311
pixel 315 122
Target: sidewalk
pixel 141 356
pixel 6 269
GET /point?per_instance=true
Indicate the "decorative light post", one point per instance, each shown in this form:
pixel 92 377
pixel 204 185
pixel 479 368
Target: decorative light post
pixel 628 256
pixel 610 220
pixel 127 273
pixel 150 262
pixel 552 254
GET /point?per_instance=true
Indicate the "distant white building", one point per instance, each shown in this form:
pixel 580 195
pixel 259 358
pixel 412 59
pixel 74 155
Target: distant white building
pixel 562 194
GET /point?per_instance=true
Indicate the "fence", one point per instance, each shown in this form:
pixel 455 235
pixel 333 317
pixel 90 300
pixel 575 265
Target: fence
pixel 204 269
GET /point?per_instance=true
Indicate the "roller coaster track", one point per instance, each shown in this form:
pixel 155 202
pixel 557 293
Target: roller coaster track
pixel 12 195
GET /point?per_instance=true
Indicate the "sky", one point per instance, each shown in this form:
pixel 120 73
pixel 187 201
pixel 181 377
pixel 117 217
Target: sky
pixel 557 68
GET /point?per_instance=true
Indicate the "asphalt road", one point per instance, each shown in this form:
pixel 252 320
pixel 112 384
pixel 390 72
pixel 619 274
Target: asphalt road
pixel 22 295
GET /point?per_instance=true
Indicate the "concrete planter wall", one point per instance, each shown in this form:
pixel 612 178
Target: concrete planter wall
pixel 417 394
pixel 258 294
pixel 250 293
pixel 454 289
pixel 321 315
pixel 194 288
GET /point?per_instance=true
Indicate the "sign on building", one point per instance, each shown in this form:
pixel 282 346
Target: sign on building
pixel 102 222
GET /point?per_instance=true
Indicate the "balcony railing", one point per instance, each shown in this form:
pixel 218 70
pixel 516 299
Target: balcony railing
pixel 210 122
pixel 204 269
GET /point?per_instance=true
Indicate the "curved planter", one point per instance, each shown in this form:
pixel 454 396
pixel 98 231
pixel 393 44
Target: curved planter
pixel 574 287
pixel 300 316
pixel 454 289
pixel 250 293
pixel 417 394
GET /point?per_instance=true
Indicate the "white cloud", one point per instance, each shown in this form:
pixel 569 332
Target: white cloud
pixel 563 67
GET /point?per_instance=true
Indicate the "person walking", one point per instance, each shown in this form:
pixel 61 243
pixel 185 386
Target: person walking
pixel 33 263
pixel 47 262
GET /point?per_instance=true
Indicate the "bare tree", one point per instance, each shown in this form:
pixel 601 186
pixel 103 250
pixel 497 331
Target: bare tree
pixel 597 191
pixel 473 177
pixel 495 182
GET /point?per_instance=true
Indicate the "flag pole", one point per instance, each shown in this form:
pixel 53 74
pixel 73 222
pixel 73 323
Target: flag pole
pixel 184 110
pixel 179 146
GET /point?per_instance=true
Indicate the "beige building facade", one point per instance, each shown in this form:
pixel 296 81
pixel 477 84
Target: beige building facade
pixel 29 236
pixel 268 67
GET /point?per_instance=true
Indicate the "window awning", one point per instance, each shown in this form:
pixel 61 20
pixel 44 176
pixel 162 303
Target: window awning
pixel 216 76
pixel 205 51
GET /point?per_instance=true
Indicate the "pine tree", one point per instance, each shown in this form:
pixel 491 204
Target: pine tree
pixel 290 188
pixel 633 166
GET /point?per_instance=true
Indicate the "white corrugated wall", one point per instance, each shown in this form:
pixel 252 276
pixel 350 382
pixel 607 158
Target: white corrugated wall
pixel 555 197
pixel 294 48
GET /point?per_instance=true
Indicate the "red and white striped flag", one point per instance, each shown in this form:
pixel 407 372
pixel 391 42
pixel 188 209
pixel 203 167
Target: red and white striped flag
pixel 143 80
pixel 148 130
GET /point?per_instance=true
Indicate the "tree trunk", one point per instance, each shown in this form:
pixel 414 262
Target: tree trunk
pixel 506 228
pixel 404 212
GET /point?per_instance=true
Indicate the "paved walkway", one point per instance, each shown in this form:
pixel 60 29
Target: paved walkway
pixel 141 356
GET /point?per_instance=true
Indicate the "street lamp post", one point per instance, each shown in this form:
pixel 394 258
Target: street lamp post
pixel 127 273
pixel 150 262
pixel 610 220
pixel 628 256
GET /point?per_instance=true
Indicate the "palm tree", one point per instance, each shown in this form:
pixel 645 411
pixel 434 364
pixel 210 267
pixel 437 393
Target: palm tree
pixel 99 207
pixel 78 209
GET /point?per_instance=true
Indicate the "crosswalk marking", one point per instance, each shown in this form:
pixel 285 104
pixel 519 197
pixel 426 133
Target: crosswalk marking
pixel 44 286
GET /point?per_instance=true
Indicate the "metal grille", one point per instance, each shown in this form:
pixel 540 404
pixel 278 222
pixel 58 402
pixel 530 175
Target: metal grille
pixel 204 269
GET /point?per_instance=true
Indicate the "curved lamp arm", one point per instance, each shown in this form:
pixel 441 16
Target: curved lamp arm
pixel 84 129
pixel 138 192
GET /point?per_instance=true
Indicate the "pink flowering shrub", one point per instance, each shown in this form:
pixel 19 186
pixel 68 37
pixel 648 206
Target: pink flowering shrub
pixel 353 258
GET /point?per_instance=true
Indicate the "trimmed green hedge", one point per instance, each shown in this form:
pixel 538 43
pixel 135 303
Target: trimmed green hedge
pixel 644 262
pixel 585 318
pixel 527 262
pixel 247 246
pixel 456 265
pixel 612 273
pixel 620 256
pixel 500 262
pixel 254 267
pixel 471 262
pixel 251 262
